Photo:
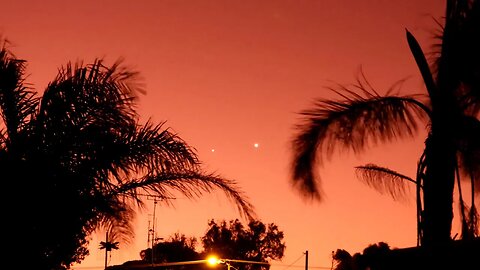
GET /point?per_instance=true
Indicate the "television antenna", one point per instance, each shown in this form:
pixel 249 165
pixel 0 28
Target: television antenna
pixel 152 237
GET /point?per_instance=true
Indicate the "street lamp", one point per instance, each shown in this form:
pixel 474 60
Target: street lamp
pixel 213 260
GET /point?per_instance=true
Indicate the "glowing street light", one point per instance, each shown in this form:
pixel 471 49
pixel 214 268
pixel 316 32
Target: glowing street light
pixel 213 260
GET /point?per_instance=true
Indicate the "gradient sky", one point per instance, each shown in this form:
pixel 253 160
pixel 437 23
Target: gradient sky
pixel 226 74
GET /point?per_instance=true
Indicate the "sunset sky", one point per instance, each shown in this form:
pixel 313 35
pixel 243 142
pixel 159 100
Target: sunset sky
pixel 228 74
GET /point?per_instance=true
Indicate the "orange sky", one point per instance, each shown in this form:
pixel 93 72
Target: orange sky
pixel 226 74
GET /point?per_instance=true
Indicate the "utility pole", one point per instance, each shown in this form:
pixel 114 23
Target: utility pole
pixel 152 239
pixel 306 260
pixel 153 229
pixel 149 232
pixel 106 250
pixel 152 234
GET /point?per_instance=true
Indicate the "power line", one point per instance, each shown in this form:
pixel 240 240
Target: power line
pixel 301 266
pixel 290 265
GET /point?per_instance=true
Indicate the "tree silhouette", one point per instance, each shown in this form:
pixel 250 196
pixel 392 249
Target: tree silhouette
pixel 342 260
pixel 77 158
pixel 177 248
pixel 114 233
pixel 257 242
pixel 450 109
pixel 373 258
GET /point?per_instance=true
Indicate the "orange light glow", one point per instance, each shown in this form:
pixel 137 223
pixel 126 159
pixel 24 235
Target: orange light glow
pixel 213 260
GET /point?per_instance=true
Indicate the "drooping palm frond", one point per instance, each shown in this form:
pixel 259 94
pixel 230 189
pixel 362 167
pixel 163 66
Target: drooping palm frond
pixel 474 221
pixel 385 180
pixel 118 225
pixel 468 150
pixel 468 159
pixel 17 101
pixel 469 221
pixel 102 211
pixel 355 122
pixel 191 184
pixel 157 149
pixel 141 150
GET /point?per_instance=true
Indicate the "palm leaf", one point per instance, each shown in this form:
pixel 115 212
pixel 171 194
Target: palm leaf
pixel 385 180
pixel 468 149
pixel 355 122
pixel 119 226
pixel 191 184
pixel 423 66
pixel 17 101
pixel 82 95
pixel 158 149
pixel 147 149
pixel 469 221
pixel 473 221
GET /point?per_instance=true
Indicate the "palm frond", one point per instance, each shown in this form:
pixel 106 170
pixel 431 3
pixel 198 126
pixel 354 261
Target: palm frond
pixel 191 184
pixel 84 112
pixel 17 101
pixel 469 221
pixel 385 180
pixel 468 149
pixel 81 95
pixel 473 221
pixel 108 213
pixel 355 122
pixel 141 150
pixel 119 226
pixel 423 66
pixel 160 150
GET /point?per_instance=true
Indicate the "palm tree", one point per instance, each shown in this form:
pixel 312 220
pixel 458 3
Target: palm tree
pixel 109 244
pixel 77 159
pixel 114 233
pixel 450 108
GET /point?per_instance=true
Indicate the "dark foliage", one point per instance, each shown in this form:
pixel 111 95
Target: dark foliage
pixel 178 248
pixel 255 245
pixel 257 242
pixel 76 160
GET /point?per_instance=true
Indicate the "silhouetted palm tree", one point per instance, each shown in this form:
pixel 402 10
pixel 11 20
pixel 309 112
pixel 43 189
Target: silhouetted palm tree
pixel 116 231
pixel 77 159
pixel 450 109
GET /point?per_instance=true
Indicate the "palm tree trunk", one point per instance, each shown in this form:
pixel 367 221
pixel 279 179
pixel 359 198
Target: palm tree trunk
pixel 438 186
